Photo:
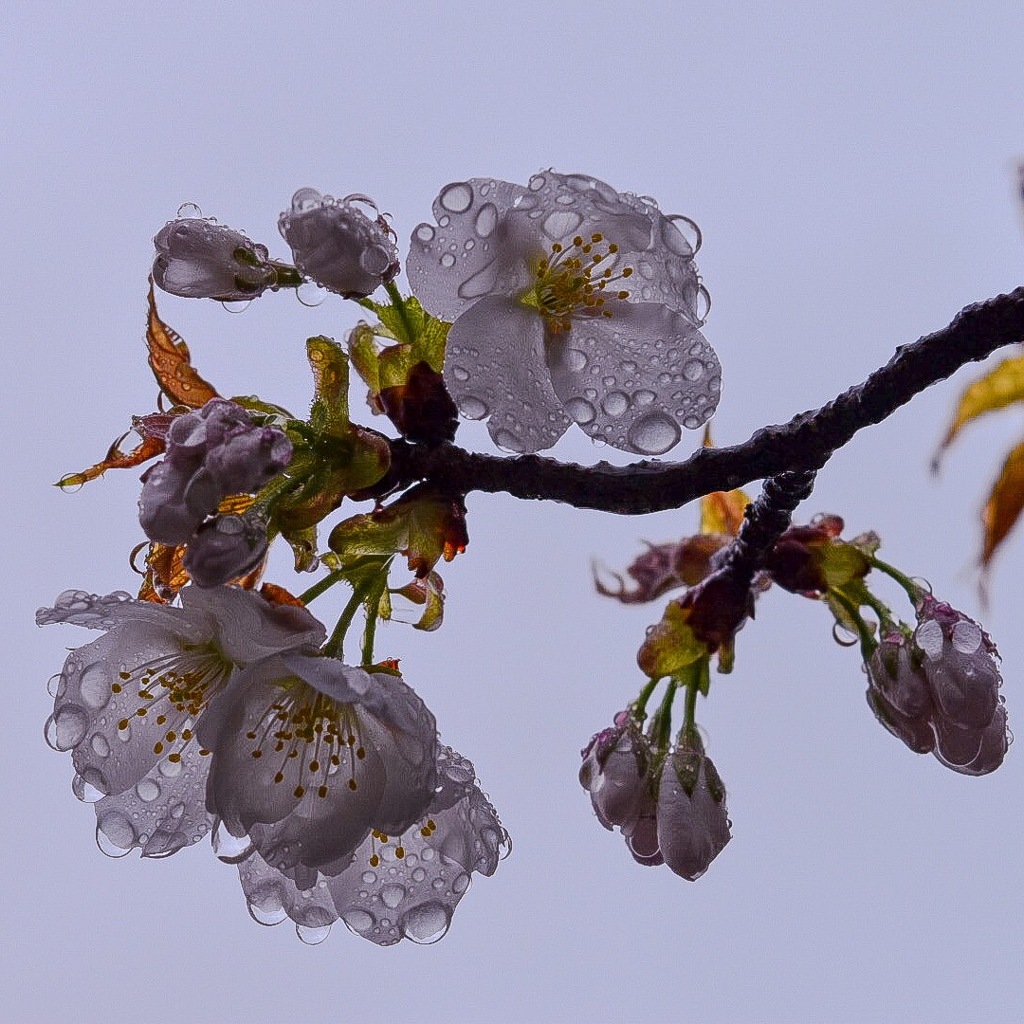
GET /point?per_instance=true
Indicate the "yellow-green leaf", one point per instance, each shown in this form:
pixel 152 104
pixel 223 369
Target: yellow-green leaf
pixel 995 390
pixel 722 511
pixel 327 360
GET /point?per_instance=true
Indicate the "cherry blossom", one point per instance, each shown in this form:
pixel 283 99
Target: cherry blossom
pixel 571 302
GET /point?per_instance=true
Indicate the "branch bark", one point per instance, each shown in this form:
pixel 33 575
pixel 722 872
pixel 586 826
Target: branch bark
pixel 806 442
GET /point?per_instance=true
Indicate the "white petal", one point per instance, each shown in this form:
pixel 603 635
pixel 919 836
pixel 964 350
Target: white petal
pixel 272 897
pixel 466 254
pixel 634 380
pixel 495 369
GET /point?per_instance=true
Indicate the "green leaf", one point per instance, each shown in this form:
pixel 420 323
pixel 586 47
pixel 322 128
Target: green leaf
pixel 329 411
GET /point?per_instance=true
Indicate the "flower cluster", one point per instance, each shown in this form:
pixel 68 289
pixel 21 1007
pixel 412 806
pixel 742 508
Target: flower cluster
pixel 669 804
pixel 937 689
pixel 222 713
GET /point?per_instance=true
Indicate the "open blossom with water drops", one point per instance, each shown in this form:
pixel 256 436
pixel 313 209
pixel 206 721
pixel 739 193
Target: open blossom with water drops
pixel 571 302
pixel 397 886
pixel 938 690
pixel 127 705
pixel 211 453
pixel 336 244
pixel 310 756
pixel 201 259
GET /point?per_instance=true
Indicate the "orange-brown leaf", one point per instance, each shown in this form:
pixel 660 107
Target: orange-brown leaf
pixel 148 448
pixel 171 363
pixel 1004 504
pixel 165 573
pixel 995 390
pixel 279 595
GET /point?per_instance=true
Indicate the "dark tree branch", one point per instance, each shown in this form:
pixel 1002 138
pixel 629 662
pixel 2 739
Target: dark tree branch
pixel 806 442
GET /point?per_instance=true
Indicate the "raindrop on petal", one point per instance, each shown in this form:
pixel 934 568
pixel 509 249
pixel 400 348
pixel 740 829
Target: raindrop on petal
pixel 457 197
pixel 65 728
pixel 653 434
pixel 426 923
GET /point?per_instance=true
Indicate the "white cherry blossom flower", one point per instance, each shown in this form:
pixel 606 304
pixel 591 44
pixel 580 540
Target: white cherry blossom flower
pixel 570 302
pixel 336 244
pixel 310 756
pixel 127 705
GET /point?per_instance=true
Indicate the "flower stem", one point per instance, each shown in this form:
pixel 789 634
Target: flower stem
pixel 335 645
pixel 867 642
pixel 640 704
pixel 321 587
pixel 398 301
pixel 661 721
pixel 914 590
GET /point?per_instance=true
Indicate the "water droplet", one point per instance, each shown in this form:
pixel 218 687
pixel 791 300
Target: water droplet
pixel 95 685
pixel 486 220
pixel 460 883
pixel 65 728
pixel 507 440
pixel 169 769
pixel 628 366
pixel 375 259
pixel 426 923
pixel 148 790
pixel 99 744
pixel 693 369
pixel 580 410
pixel 674 239
pixel 85 790
pixel 369 877
pixel 424 233
pixel 56 685
pixel 608 382
pixel 653 434
pixel 392 895
pixel 418 875
pixel 561 223
pixel 309 293
pixel 457 197
pixel 928 637
pixel 306 199
pixel 237 306
pixel 115 835
pixel 448 260
pixel 230 849
pixel 615 403
pixel 691 421
pixel 358 921
pixel 967 637
pixel 188 211
pixel 311 935
pixel 472 407
pixel 427 855
pixel 460 373
pixel 537 182
pixel 644 397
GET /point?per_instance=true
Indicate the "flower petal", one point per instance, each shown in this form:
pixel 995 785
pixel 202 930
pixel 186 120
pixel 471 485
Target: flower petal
pixel 466 254
pixel 635 379
pixel 495 368
pixel 272 897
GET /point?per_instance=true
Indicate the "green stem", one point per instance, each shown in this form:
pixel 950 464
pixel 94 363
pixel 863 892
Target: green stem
pixel 690 711
pixel 321 587
pixel 372 604
pixel 640 704
pixel 914 590
pixel 335 646
pixel 867 642
pixel 661 722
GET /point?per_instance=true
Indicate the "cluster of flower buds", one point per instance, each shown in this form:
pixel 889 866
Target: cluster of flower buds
pixel 669 804
pixel 212 453
pixel 937 689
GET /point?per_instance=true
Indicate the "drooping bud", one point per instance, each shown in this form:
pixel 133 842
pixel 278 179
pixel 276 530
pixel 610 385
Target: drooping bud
pixel 226 548
pixel 614 771
pixel 200 259
pixel 337 245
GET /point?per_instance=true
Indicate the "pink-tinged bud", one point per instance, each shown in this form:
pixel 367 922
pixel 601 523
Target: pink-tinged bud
pixel 336 244
pixel 200 259
pixel 614 772
pixel 693 821
pixel 938 691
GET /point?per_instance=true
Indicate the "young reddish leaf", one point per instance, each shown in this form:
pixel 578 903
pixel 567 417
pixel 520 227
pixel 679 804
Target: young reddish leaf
pixel 995 390
pixel 171 363
pixel 278 595
pixel 1004 504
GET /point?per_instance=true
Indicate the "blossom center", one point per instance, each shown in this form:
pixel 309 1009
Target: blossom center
pixel 172 693
pixel 311 735
pixel 571 281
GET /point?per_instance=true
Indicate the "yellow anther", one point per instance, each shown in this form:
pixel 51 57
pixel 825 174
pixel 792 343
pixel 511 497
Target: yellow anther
pixel 115 687
pixel 299 792
pixel 174 758
pixel 158 748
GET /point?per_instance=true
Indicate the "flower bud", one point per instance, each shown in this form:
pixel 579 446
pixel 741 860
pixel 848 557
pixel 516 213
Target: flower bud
pixel 335 244
pixel 226 548
pixel 614 770
pixel 200 259
pixel 693 822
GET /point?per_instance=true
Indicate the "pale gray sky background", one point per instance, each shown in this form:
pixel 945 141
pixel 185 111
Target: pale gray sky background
pixel 853 172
